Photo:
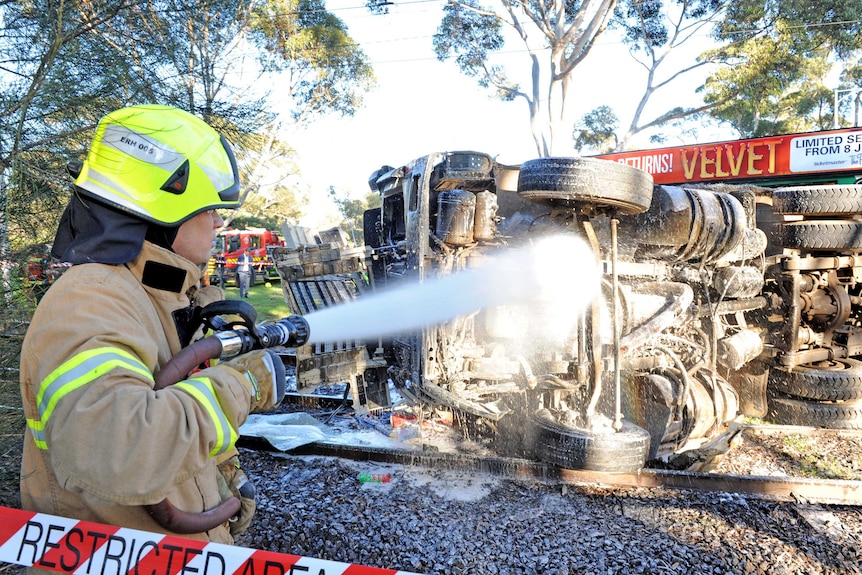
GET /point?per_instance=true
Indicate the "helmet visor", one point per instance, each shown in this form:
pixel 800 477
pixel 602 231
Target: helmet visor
pixel 231 193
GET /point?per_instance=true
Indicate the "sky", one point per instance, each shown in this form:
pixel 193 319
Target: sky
pixel 422 105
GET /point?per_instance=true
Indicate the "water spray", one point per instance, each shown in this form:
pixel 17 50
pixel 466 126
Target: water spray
pixel 560 271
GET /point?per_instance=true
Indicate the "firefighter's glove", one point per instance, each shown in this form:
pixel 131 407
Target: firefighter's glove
pixel 266 374
pixel 233 482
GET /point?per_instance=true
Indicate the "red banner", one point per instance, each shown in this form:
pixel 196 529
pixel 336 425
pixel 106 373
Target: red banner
pixel 833 151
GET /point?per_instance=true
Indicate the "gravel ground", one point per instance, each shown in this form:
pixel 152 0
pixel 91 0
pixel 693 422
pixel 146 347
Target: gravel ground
pixel 443 521
pixel 451 522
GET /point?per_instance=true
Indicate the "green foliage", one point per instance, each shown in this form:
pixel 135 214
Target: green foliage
pixel 50 99
pixel 194 49
pixel 34 211
pixel 642 23
pixel 776 60
pixel 258 221
pixel 470 33
pixel 268 175
pixel 378 7
pixel 653 30
pixel 768 72
pixel 651 24
pixel 811 24
pixel 556 37
pixel 851 84
pixel 597 130
pixel 852 74
pixel 324 69
pixel 65 64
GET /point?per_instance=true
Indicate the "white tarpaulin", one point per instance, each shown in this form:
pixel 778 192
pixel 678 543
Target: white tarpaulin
pixel 285 431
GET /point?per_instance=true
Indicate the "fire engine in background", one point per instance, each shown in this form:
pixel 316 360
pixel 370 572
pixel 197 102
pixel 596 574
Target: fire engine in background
pixel 230 244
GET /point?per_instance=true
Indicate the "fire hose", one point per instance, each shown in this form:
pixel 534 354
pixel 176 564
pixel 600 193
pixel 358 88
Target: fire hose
pixel 230 339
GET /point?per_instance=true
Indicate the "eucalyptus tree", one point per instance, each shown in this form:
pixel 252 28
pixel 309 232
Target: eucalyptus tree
pixel 597 130
pixel 318 66
pixel 269 182
pixel 849 95
pixel 555 36
pixel 659 35
pixel 64 63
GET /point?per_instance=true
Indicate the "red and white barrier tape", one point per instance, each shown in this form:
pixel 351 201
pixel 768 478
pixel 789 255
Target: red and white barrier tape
pixel 60 544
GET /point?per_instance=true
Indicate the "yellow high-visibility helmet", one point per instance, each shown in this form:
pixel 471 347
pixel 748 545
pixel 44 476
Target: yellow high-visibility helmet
pixel 160 163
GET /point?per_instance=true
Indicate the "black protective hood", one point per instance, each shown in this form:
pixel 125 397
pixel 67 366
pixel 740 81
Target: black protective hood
pixel 91 232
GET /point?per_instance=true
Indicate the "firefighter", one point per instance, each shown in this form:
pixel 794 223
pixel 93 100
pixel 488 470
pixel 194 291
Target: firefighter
pixel 101 444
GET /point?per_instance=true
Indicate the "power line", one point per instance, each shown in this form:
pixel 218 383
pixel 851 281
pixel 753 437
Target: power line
pixel 366 7
pixel 603 40
pixel 413 2
pixel 798 26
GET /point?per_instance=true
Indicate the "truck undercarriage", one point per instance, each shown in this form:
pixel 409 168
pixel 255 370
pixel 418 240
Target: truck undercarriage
pixel 717 301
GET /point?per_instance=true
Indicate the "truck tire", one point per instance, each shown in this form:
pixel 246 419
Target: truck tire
pixel 831 415
pixel 833 380
pixel 621 452
pixel 816 235
pixel 818 200
pixel 574 182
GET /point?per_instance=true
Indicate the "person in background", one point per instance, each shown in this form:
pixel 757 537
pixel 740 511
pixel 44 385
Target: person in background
pixel 102 443
pixel 220 264
pixel 243 271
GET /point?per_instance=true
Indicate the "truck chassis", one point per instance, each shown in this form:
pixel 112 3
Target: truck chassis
pixel 717 301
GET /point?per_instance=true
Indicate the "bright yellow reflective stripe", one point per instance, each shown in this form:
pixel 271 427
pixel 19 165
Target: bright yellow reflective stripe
pixel 75 373
pixel 201 388
pixel 38 432
pixel 81 370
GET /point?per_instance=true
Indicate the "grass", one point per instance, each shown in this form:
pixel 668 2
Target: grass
pixel 267 299
pixel 11 422
pixel 807 456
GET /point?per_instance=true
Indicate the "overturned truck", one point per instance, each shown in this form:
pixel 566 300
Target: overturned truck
pixel 717 301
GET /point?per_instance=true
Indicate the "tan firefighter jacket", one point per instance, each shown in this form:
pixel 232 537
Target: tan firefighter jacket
pixel 100 442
